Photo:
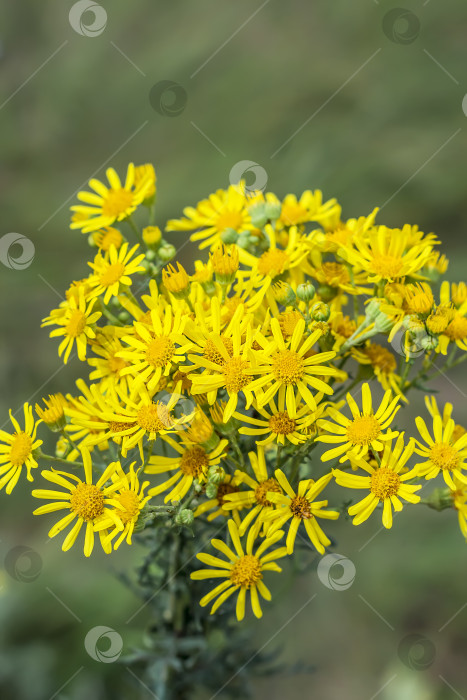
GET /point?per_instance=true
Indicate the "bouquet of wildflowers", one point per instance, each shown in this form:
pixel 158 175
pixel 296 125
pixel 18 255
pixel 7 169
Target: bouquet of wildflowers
pixel 218 403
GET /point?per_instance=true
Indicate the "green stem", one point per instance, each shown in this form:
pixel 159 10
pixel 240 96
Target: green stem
pixel 59 460
pixel 132 224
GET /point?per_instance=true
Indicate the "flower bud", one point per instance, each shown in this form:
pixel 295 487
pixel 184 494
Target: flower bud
pixel 372 309
pixel 383 323
pixel 273 210
pixel 152 236
pixel 166 252
pixel 283 293
pixel 429 342
pixel 259 217
pixel 216 475
pixel 320 311
pixel 326 292
pixel 229 236
pixel 211 490
pixel 440 499
pixel 306 291
pixel 184 517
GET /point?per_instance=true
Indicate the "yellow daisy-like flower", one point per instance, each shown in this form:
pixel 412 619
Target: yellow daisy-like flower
pixel 309 207
pixel 108 366
pixel 229 485
pixel 112 271
pixel 53 415
pixel 387 254
pixel 106 205
pixel 192 463
pixel 131 500
pixel 301 507
pixel 292 365
pixel 76 321
pixel 384 365
pixel 17 450
pixel 432 407
pixel 385 482
pixel 153 346
pixel 256 497
pixel 225 209
pixel 443 453
pixel 243 570
pixel 274 421
pixel 108 237
pixel 86 502
pixel 366 429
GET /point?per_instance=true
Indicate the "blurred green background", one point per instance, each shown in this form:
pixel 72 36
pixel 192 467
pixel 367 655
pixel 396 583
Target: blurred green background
pixel 374 99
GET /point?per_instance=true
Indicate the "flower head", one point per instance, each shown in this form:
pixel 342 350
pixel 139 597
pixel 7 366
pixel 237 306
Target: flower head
pixel 17 450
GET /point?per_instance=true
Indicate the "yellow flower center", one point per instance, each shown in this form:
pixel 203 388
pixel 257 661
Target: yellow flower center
pixel 262 489
pixel 386 266
pixel 200 429
pixel 20 448
pixel 384 483
pixel 282 424
pixel 154 418
pixel 457 329
pixel 287 321
pixel 116 364
pixel 160 351
pixel 246 572
pixel 87 501
pixel 223 490
pixel 112 274
pixel 363 430
pixel 117 202
pixel 229 219
pixel 234 374
pixel 300 507
pixel 333 274
pixel 273 262
pixel 444 456
pixel 212 354
pixel 194 461
pixel 118 427
pixel 130 501
pixel 288 367
pixel 293 214
pixel 76 323
pixel 381 358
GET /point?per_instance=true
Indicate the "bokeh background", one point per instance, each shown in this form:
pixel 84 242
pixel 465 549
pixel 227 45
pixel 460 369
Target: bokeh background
pixel 357 99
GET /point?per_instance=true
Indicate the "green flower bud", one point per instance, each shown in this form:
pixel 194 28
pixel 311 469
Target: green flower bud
pixel 244 240
pixel 326 292
pixel 211 490
pixel 320 311
pixel 259 218
pixel 283 293
pixel 228 236
pixel 273 210
pixel 372 309
pixel 184 517
pixel 429 342
pixel 151 255
pixel 383 323
pixel 306 291
pixel 123 316
pixel 216 475
pixel 166 252
pixel 440 499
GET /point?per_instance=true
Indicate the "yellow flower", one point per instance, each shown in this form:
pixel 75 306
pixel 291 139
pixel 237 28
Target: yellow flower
pixel 384 366
pixel 107 237
pixel 309 207
pixel 112 272
pixel 433 410
pixel 300 507
pixel 224 262
pixel 385 482
pixel 192 462
pixel 387 254
pixel 225 209
pixel 143 173
pixel 86 502
pixel 176 281
pixel 256 497
pixel 442 454
pixel 106 205
pixel 364 431
pixel 76 322
pixel 17 450
pixel 152 235
pixel 292 366
pixel 243 570
pixel 131 500
pixel 108 367
pixel 274 422
pixel 53 415
pixel 153 345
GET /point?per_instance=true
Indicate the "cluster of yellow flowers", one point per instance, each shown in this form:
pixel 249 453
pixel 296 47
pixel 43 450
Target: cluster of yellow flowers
pixel 226 379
